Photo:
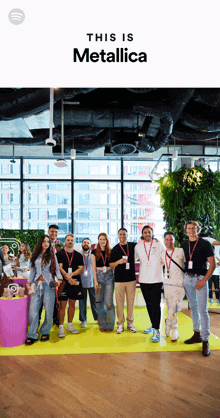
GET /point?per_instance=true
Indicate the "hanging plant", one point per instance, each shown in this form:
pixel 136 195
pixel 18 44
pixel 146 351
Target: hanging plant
pixel 191 194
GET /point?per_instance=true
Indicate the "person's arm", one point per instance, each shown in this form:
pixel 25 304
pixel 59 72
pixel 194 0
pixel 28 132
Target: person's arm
pixel 93 262
pixel 58 274
pixel 212 266
pixel 31 278
pixel 66 275
pixel 136 255
pixel 116 263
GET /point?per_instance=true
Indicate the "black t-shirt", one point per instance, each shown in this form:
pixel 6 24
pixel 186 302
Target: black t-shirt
pixel 99 263
pixel 202 251
pixel 76 261
pixel 121 273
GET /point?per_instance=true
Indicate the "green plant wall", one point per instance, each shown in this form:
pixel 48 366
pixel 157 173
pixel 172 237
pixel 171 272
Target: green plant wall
pixel 191 194
pixel 31 236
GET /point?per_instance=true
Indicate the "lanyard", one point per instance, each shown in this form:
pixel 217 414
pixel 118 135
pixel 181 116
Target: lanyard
pixel 148 254
pixel 168 265
pixel 69 260
pixel 86 260
pixel 104 261
pixel 54 247
pixel 127 254
pixel 191 253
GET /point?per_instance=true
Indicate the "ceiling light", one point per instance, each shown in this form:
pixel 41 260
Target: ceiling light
pixel 73 154
pixel 61 163
pixel 175 155
pixel 50 141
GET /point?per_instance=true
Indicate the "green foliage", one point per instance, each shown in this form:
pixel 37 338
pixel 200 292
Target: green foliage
pixel 31 236
pixel 191 194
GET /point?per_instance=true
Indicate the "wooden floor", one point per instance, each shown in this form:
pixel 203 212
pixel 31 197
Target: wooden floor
pixel 179 384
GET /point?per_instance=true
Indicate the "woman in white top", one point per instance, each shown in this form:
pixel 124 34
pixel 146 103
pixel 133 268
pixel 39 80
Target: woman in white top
pixel 149 252
pixel 23 260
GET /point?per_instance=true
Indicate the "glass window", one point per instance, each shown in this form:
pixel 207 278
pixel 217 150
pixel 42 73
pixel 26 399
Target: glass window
pixel 10 204
pixel 99 203
pixel 44 205
pixel 9 170
pixel 45 169
pixel 141 207
pixel 140 170
pixel 97 169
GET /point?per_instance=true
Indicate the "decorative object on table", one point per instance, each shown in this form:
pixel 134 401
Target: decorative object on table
pixel 4 282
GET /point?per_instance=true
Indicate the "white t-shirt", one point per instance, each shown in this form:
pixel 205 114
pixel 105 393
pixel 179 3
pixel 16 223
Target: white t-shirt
pixel 151 272
pixel 175 273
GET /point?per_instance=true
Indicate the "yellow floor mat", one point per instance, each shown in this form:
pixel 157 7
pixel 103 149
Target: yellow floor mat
pixel 91 340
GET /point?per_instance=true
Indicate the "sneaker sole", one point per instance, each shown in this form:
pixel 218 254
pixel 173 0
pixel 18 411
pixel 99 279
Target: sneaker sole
pixel 73 332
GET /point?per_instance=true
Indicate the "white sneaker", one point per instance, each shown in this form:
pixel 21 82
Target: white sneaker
pixel 156 336
pixel 120 329
pixel 131 328
pixel 175 335
pixel 70 328
pixel 83 324
pixel 149 330
pixel 61 333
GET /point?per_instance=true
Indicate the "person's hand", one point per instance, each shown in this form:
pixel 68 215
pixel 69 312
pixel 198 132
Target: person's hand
pixel 28 286
pixel 68 276
pixel 15 268
pixel 122 261
pixel 59 283
pixel 26 269
pixel 96 285
pixel 200 284
pixel 72 282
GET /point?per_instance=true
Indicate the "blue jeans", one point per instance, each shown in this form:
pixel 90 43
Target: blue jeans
pixel 106 314
pixel 83 303
pixel 198 300
pixel 47 297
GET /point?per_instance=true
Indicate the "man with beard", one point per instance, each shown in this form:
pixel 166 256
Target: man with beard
pixel 122 260
pixel 71 266
pixel 87 284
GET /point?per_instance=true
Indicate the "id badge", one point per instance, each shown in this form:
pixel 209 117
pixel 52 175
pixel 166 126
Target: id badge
pixel 127 266
pixel 86 273
pixel 190 265
pixel 168 274
pixel 70 270
pixel 104 269
pixel 148 264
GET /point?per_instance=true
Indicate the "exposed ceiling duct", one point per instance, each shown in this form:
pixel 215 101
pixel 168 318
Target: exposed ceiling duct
pixel 145 119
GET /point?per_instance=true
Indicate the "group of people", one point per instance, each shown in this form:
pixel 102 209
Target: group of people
pixel 59 273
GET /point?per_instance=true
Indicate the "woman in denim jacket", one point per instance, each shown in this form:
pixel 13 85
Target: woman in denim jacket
pixel 42 271
pixel 104 284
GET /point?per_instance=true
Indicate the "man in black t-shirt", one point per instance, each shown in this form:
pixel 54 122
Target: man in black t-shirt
pixel 197 253
pixel 122 260
pixel 71 266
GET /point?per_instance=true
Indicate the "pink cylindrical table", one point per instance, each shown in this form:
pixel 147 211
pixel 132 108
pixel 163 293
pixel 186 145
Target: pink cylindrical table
pixel 13 321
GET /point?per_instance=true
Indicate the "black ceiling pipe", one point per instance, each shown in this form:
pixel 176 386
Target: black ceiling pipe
pixel 25 102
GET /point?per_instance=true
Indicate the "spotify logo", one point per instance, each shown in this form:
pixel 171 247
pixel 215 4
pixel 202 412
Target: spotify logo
pixel 16 16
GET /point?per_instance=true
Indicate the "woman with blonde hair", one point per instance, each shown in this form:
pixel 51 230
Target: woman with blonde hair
pixel 104 283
